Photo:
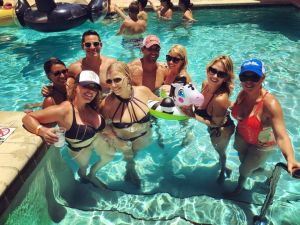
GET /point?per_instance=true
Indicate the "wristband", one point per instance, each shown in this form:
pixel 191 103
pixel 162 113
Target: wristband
pixel 37 129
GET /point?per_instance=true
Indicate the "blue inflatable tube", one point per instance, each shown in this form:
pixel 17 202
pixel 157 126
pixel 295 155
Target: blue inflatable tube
pixel 49 16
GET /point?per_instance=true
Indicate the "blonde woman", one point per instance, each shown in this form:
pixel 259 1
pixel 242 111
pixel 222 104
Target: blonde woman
pixel 216 89
pixel 81 121
pixel 127 109
pixel 177 62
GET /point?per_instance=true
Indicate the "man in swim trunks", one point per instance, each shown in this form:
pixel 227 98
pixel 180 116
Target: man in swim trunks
pixel 260 124
pixel 131 24
pixel 92 45
pixel 147 71
pixel 132 27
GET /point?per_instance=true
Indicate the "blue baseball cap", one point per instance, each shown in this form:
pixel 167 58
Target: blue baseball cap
pixel 253 65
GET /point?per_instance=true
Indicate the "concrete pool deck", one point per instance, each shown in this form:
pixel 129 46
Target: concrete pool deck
pixel 21 151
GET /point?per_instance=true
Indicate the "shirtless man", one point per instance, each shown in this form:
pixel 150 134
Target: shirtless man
pixel 91 44
pixel 131 24
pixel 146 71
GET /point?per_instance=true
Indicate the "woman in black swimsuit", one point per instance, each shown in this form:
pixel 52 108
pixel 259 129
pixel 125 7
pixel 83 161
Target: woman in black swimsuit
pixel 82 123
pixel 127 109
pixel 216 90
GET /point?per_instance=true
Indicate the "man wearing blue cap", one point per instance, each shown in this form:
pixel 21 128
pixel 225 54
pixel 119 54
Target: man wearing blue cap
pixel 260 124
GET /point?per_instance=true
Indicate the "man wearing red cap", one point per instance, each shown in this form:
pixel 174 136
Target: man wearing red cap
pixel 147 71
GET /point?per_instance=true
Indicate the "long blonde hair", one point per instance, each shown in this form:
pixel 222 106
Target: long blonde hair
pixel 228 84
pixel 181 52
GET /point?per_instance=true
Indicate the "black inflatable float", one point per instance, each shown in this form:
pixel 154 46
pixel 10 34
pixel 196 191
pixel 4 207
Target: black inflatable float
pixel 49 16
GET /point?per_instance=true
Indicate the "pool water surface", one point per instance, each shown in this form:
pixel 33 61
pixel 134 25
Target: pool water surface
pixel 178 182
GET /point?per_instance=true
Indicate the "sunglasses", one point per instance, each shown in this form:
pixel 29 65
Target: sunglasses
pixel 93 87
pixel 220 74
pixel 154 48
pixel 253 77
pixel 89 44
pixel 115 80
pixel 57 73
pixel 173 59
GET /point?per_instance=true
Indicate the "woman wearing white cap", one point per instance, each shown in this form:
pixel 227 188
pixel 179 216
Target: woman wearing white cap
pixel 127 109
pixel 81 121
pixel 260 124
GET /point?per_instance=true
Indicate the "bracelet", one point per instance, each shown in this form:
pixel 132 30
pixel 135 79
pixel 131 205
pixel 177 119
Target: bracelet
pixel 37 129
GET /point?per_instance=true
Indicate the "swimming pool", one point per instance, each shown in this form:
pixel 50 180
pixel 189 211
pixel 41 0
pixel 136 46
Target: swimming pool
pixel 174 189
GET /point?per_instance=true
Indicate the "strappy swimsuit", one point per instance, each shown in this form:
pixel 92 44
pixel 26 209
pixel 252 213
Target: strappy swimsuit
pixel 204 114
pixel 124 103
pixel 250 128
pixel 80 136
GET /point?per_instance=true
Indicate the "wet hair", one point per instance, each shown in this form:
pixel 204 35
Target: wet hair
pixel 134 7
pixel 169 3
pixel 120 67
pixel 228 84
pixel 187 3
pixel 180 52
pixel 143 3
pixel 50 62
pixel 89 32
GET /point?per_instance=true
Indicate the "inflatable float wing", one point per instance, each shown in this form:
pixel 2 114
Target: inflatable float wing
pixel 49 16
pixel 166 110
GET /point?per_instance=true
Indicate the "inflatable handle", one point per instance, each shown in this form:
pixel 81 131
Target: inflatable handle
pixel 45 6
pixel 95 8
pixel 21 7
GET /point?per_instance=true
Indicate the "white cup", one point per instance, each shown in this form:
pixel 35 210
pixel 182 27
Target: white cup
pixel 60 132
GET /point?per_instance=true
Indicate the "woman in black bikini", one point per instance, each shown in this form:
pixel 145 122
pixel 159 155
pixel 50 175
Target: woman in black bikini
pixel 127 109
pixel 216 90
pixel 81 121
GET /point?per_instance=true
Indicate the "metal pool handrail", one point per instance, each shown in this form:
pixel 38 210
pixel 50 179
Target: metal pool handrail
pixel 261 219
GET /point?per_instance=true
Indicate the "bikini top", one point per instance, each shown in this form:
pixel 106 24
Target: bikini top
pixel 83 132
pixel 124 103
pixel 203 112
pixel 249 127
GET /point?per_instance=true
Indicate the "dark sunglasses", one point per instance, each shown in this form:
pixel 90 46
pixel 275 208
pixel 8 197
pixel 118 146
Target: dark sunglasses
pixel 154 48
pixel 93 87
pixel 253 77
pixel 57 73
pixel 173 59
pixel 89 44
pixel 115 80
pixel 220 74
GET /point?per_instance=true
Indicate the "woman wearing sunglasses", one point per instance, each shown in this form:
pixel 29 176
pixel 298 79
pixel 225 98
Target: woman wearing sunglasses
pixel 57 73
pixel 216 90
pixel 177 62
pixel 127 109
pixel 81 121
pixel 260 124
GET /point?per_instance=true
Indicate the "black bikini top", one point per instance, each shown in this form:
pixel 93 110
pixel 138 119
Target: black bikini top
pixel 83 131
pixel 133 118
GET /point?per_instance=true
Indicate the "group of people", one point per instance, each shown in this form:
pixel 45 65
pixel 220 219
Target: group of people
pixel 135 23
pixel 102 104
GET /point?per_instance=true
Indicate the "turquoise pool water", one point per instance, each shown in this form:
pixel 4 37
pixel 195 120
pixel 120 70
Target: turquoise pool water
pixel 178 183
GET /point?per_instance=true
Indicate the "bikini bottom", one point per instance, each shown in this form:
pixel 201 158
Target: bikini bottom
pixel 134 138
